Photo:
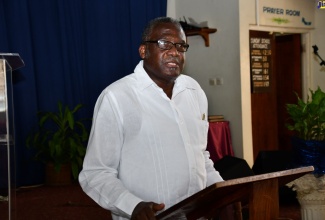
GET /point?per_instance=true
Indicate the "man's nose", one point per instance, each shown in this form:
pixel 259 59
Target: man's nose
pixel 173 51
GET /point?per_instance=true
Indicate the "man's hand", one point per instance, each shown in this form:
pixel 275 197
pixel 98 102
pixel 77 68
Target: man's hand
pixel 146 210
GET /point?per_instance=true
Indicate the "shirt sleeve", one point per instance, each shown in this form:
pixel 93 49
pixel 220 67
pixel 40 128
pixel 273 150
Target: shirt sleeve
pixel 213 175
pixel 98 177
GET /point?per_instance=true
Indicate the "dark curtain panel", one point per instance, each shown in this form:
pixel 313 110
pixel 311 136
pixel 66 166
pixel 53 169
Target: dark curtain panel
pixel 72 50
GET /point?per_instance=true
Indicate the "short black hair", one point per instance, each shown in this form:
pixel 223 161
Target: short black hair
pixel 155 22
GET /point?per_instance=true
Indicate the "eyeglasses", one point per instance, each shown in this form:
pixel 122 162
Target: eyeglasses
pixel 167 45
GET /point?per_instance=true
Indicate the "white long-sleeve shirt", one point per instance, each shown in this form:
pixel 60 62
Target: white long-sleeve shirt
pixel 144 146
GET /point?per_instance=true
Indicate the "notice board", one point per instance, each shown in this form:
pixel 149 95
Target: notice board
pixel 260 63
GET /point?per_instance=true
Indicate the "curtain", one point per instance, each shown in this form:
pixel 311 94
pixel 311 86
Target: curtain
pixel 72 50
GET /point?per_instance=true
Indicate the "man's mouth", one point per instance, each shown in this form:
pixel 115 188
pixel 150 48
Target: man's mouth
pixel 172 64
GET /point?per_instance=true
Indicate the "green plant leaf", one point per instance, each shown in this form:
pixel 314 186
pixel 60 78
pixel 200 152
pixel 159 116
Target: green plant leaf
pixel 307 119
pixel 60 138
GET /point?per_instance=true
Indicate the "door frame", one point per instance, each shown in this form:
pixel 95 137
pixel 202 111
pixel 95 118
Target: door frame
pixel 306 56
pixel 306 49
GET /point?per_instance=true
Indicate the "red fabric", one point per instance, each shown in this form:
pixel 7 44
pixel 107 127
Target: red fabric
pixel 219 140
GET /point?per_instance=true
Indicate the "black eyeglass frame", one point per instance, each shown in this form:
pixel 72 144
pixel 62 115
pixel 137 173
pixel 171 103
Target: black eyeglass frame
pixel 178 46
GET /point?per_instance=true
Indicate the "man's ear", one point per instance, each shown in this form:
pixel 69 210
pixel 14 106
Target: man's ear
pixel 142 51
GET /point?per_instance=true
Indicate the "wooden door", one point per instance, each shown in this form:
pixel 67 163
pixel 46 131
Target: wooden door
pixel 289 81
pixel 268 108
pixel 264 110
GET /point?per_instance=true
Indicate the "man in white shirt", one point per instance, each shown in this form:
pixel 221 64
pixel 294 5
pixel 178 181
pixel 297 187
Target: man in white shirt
pixel 147 147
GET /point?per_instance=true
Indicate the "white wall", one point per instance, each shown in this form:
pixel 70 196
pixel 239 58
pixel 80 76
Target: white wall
pixel 228 58
pixel 247 16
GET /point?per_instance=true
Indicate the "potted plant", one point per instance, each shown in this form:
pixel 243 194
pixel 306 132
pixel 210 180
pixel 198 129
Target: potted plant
pixel 307 121
pixel 60 141
pixel 308 118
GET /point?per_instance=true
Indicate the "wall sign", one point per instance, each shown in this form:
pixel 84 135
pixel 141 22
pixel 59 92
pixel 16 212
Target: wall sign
pixel 288 13
pixel 260 57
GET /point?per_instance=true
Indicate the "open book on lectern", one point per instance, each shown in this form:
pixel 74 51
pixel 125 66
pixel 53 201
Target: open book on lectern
pixel 221 194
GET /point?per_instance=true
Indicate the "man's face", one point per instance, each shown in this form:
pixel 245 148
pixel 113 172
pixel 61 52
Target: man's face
pixel 163 66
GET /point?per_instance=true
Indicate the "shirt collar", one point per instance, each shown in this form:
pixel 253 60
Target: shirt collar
pixel 142 77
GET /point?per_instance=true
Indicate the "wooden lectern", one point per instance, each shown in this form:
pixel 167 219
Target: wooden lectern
pixel 260 192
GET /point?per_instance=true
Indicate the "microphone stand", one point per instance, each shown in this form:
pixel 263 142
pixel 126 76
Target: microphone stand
pixel 316 53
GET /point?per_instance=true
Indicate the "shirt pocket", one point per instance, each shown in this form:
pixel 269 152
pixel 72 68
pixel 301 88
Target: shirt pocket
pixel 200 136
